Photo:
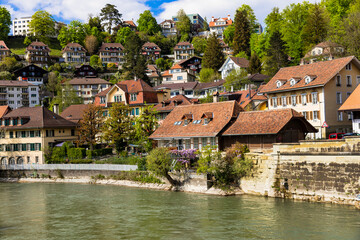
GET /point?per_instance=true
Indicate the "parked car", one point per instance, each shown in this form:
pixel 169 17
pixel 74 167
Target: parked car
pixel 335 136
pixel 351 134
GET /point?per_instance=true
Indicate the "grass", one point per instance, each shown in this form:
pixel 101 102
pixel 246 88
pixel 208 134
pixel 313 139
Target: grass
pixel 18 47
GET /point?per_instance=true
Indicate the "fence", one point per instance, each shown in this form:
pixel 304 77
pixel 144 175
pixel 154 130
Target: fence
pixel 89 167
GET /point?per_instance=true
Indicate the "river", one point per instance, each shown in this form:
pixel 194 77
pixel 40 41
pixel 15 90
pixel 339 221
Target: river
pixel 75 211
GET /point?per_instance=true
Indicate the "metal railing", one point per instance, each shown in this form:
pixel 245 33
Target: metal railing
pixel 109 167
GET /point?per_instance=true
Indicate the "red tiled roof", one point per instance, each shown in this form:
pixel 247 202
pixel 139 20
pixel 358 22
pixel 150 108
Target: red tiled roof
pixel 4 110
pixel 352 103
pixel 169 105
pixel 177 46
pixel 174 86
pixel 166 74
pixel 223 113
pixel 324 72
pixel 152 70
pixel 265 122
pixel 131 23
pixel 152 45
pixel 227 22
pixel 79 81
pixel 74 113
pixel 241 62
pixel 112 47
pixel 68 47
pixel 15 83
pixel 176 66
pixel 38 44
pixel 148 95
pixel 2 43
pixel 328 44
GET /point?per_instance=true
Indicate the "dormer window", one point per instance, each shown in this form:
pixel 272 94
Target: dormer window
pixel 307 79
pixel 207 116
pixel 292 82
pixel 278 84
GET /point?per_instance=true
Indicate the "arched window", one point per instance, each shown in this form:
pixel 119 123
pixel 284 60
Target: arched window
pixel 3 161
pixel 12 161
pixel 20 160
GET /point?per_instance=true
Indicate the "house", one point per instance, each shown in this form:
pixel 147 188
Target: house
pixel 18 94
pixel 112 53
pixel 4 51
pixel 178 74
pixel 168 28
pixel 351 107
pixel 74 53
pixel 38 53
pixel 233 63
pixel 130 24
pixel 204 89
pixel 87 88
pixel 74 113
pixel 135 93
pixel 183 50
pixel 317 91
pixel 322 52
pixel 27 131
pixel 165 107
pixel 4 110
pixel 261 129
pixel 32 74
pixel 151 51
pixel 85 71
pixel 193 63
pixel 187 89
pixel 218 25
pixel 249 100
pixel 21 27
pixel 197 22
pixel 153 74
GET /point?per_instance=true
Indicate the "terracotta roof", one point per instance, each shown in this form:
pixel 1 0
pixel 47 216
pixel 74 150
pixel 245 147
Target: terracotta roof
pixel 352 103
pixel 131 23
pixel 176 66
pixel 328 44
pixel 258 77
pixel 37 44
pixel 166 74
pixel 78 81
pixel 103 93
pixel 208 85
pixel 167 20
pixel 74 113
pixel 151 45
pixel 2 43
pixel 227 22
pixel 223 112
pixel 324 70
pixel 170 104
pixel 149 95
pixel 15 83
pixel 174 86
pixel 69 46
pixel 152 71
pixel 241 62
pixel 112 47
pixel 4 110
pixel 265 122
pixel 40 117
pixel 177 46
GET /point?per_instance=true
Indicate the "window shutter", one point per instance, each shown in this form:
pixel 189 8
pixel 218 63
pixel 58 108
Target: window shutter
pixel 310 98
pixel 271 101
pixel 311 115
pixel 318 113
pixel 318 97
pixel 288 100
pixel 279 100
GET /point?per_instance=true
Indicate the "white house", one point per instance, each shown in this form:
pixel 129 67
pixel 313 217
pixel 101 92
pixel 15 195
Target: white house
pixel 232 63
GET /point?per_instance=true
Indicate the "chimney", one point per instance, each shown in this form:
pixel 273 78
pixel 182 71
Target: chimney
pixel 20 78
pixel 216 97
pixel 135 78
pixel 232 88
pixel 212 19
pixel 229 18
pixel 56 109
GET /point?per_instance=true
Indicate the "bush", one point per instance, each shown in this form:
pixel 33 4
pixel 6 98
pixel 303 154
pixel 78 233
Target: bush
pixel 131 160
pixel 139 176
pixel 141 164
pixel 81 161
pixel 98 152
pixel 159 162
pixel 76 153
pixel 58 154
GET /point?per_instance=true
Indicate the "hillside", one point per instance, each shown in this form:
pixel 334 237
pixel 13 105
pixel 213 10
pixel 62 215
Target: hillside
pixel 17 46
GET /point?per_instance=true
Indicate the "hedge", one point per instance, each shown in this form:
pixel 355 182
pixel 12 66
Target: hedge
pixel 98 152
pixel 76 153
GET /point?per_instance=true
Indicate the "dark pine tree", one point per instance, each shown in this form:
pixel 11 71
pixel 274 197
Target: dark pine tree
pixel 241 40
pixel 213 55
pixel 276 57
pixel 254 64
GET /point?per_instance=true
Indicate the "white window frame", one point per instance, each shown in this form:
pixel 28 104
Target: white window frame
pixel 303 99
pixel 293 100
pixel 340 116
pixel 338 100
pixel 314 97
pixel 315 115
pixel 274 102
pixel 283 101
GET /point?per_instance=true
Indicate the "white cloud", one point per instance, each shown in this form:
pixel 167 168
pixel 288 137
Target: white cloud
pixel 216 8
pixel 68 10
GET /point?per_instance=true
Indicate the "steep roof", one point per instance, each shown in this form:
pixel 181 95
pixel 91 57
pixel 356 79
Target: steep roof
pixel 352 103
pixel 265 122
pixel 111 47
pixel 170 104
pixel 223 113
pixel 177 46
pixel 130 23
pixel 40 117
pixel 322 72
pixel 69 47
pixel 151 45
pixel 4 110
pixel 167 20
pixel 33 45
pixel 174 86
pixel 152 70
pixel 139 85
pixel 79 81
pixel 241 62
pixel 227 22
pixel 74 113
pixel 2 43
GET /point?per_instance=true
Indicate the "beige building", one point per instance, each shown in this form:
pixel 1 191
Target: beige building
pixel 178 74
pixel 183 50
pixel 317 91
pixel 74 53
pixel 4 51
pixel 112 53
pixel 25 132
pixel 38 53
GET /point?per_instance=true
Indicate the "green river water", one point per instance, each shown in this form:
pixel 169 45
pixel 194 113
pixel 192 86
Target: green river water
pixel 75 211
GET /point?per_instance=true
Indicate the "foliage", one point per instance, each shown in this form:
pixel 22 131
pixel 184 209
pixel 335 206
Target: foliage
pixel 80 161
pixel 236 154
pixel 242 54
pixel 208 99
pixel 27 41
pixel 73 32
pixel 159 162
pixel 95 22
pixel 163 64
pixel 98 152
pixel 91 44
pixel 95 62
pixel 147 23
pixel 184 158
pixel 236 79
pixel 76 153
pixel 117 128
pixel 183 25
pixel 208 75
pixel 228 35
pixel 59 174
pixel 90 124
pixel 5 23
pixel 128 160
pixel 242 33
pixel 10 64
pixel 199 44
pixel 110 17
pixel 254 64
pixel 5 75
pixel 42 25
pixel 253 23
pixel 213 55
pixel 351 39
pixel 54 82
pixel 122 35
pixel 138 176
pixel 65 97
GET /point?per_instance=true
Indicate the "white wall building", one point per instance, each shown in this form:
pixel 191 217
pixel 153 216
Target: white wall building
pixel 18 94
pixel 20 27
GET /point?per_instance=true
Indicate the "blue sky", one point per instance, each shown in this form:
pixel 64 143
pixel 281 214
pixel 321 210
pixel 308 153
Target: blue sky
pixel 67 10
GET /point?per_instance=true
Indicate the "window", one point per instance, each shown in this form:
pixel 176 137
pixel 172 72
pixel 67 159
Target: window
pixel 314 97
pixel 358 80
pixel 102 100
pixel 293 100
pixel 348 66
pixel 36 159
pixel 179 78
pixel 292 82
pixel 32 146
pixel 212 141
pixel 72 132
pixel 187 144
pixel 133 96
pixel 50 133
pixel 303 99
pixel 203 141
pixel 338 80
pixel 206 121
pixel 137 111
pixel 348 81
pixel 350 116
pixel 340 116
pixel 305 114
pixel 338 98
pixel 11 134
pixel 196 143
pixel 117 98
pixel 278 84
pixel 23 147
pixel 283 101
pixel 28 160
pixel 316 115
pixel 274 100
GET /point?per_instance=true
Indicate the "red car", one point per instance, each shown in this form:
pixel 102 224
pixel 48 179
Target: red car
pixel 335 136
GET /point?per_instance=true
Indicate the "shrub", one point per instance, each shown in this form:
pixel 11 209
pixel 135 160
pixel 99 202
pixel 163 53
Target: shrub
pixel 141 164
pixel 59 174
pixel 159 162
pixel 139 176
pixel 58 154
pixel 76 153
pixel 81 161
pixel 98 177
pixel 98 152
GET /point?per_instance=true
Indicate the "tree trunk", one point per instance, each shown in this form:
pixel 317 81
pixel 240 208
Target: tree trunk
pixel 171 180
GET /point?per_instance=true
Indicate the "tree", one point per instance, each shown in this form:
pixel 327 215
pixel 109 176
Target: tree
pixel 90 124
pixel 253 23
pixel 163 64
pixel 54 82
pixel 10 64
pixel 42 25
pixel 5 23
pixel 276 56
pixel 117 128
pixel 315 30
pixel 183 25
pixel 254 64
pixel 5 75
pixel 91 44
pixel 110 17
pixel 65 97
pixel 208 75
pixel 95 62
pixel 135 63
pixel 95 22
pixel 213 55
pixel 241 41
pixel 236 79
pixel 205 25
pixel 74 32
pixel 228 35
pixel 122 35
pixel 199 44
pixel 351 38
pixel 147 23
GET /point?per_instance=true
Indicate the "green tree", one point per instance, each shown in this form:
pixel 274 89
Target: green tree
pixel 205 25
pixel 5 23
pixel 90 126
pixel 54 82
pixel 135 62
pixel 95 22
pixel 95 61
pixel 74 32
pixel 42 25
pixel 228 35
pixel 276 57
pixel 183 25
pixel 147 23
pixel 213 55
pixel 122 35
pixel 208 75
pixel 254 64
pixel 253 22
pixel 110 17
pixel 351 38
pixel 65 97
pixel 10 64
pixel 5 75
pixel 236 79
pixel 163 64
pixel 117 128
pixel 199 44
pixel 241 40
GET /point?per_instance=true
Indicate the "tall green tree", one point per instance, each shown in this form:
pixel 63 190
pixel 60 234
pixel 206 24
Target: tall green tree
pixel 90 126
pixel 351 38
pixel 95 22
pixel 53 84
pixel 42 25
pixel 242 33
pixel 183 25
pixel 276 57
pixel 117 128
pixel 228 35
pixel 5 23
pixel 208 75
pixel 110 17
pixel 236 79
pixel 254 64
pixel 122 34
pixel 74 32
pixel 253 22
pixel 147 23
pixel 135 62
pixel 213 55
pixel 199 44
